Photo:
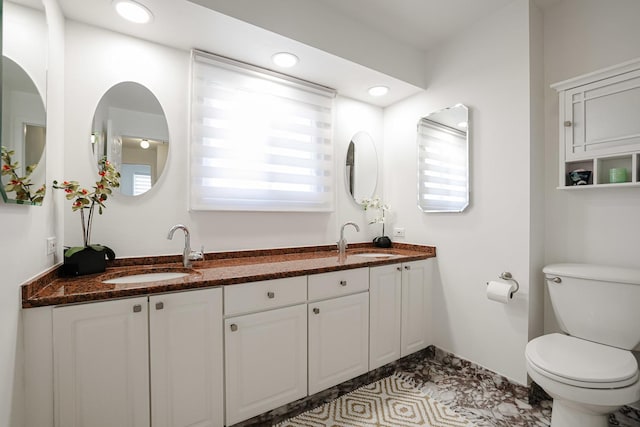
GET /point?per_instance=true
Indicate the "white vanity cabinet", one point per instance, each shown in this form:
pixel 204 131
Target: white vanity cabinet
pixel 157 361
pixel 599 126
pixel 117 362
pixel 338 327
pixel 399 317
pixel 265 351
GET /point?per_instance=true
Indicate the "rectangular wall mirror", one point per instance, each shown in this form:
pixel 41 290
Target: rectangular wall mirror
pixel 443 160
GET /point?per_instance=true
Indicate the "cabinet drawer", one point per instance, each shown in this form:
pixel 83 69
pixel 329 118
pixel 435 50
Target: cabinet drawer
pixel 264 295
pixel 336 283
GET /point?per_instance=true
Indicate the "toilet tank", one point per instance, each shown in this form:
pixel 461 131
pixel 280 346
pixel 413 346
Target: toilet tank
pixel 596 303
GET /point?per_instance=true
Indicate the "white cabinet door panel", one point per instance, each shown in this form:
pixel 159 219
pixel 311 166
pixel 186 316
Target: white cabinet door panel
pixel 385 315
pixel 416 278
pixel 186 359
pixel 266 361
pixel 101 356
pixel 338 340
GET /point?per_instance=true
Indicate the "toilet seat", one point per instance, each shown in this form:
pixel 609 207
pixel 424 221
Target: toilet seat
pixel 581 363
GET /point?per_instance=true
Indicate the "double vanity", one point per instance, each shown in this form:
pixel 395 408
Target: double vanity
pixel 152 343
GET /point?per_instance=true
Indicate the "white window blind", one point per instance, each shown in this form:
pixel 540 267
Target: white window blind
pixel 442 168
pixel 141 183
pixel 260 141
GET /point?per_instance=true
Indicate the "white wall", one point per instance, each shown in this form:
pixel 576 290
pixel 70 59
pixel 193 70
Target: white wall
pixel 138 226
pixel 22 248
pixel 486 68
pixel 599 225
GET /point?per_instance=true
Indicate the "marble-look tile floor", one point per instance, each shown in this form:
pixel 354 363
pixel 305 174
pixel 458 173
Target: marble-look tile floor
pixel 487 398
pixel 482 396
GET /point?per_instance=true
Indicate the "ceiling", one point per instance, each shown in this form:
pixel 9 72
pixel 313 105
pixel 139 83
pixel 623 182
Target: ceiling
pixel 418 23
pixel 422 24
pixel 349 45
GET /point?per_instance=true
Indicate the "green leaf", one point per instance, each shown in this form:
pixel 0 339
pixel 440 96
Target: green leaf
pixel 73 250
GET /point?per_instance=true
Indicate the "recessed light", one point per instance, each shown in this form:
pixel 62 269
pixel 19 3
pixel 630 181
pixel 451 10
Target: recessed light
pixel 144 144
pixel 133 11
pixel 284 59
pixel 378 90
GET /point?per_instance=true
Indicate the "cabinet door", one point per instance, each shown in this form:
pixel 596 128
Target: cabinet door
pixel 385 314
pixel 266 361
pixel 598 117
pixel 186 359
pixel 101 364
pixel 416 287
pixel 338 340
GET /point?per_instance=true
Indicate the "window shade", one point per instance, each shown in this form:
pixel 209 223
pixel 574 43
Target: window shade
pixel 260 141
pixel 442 168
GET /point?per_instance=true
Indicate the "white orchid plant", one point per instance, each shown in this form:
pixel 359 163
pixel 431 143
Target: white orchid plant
pixel 376 203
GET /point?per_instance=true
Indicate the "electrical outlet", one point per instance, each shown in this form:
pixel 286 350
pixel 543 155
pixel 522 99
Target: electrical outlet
pixel 51 245
pixel 398 232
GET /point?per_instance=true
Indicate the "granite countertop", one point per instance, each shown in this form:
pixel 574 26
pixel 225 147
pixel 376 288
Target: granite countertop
pixel 224 268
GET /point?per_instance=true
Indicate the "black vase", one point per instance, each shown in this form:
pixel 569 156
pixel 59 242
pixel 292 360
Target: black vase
pixel 382 242
pixel 85 261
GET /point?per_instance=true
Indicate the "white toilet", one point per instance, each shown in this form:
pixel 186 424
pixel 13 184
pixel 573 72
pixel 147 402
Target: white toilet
pixel 591 372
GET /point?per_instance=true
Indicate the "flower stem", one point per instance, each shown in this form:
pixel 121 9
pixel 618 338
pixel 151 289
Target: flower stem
pixel 89 224
pixel 84 228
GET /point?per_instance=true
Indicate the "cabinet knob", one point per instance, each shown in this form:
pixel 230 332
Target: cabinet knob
pixel 159 305
pixel 568 124
pixel 271 295
pixel 234 327
pixel 343 283
pixel 316 310
pixel 137 308
pixel 407 267
pixel 398 268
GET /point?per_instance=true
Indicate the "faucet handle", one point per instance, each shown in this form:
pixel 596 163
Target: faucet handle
pixel 197 255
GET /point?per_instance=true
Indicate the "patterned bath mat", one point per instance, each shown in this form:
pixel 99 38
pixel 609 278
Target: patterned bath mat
pixel 390 402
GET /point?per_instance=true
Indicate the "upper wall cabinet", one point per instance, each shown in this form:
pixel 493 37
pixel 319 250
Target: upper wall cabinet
pixel 600 128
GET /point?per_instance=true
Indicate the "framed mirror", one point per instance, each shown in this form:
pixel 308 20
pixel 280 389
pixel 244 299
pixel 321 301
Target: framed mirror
pixel 361 167
pixel 443 160
pixel 23 137
pixel 130 128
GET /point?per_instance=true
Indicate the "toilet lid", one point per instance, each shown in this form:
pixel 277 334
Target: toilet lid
pixel 582 363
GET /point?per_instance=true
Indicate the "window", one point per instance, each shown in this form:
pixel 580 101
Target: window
pixel 135 179
pixel 260 141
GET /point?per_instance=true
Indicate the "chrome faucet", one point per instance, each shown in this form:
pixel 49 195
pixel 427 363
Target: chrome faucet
pixel 187 254
pixel 342 243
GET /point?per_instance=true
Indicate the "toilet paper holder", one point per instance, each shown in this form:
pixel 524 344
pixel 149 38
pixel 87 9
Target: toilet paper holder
pixel 505 275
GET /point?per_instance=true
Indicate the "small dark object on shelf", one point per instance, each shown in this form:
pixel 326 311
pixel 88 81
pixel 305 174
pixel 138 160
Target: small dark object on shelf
pixel 579 177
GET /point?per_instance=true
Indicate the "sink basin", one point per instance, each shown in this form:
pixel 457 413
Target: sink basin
pixel 375 255
pixel 147 277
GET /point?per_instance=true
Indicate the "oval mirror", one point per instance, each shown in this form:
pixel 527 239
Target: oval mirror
pixel 443 160
pixel 23 137
pixel 361 167
pixel 130 129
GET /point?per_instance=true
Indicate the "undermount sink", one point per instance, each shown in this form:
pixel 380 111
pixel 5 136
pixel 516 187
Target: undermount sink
pixel 375 255
pixel 147 277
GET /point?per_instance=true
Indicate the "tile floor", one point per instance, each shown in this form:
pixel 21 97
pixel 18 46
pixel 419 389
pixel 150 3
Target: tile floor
pixel 488 399
pixel 482 396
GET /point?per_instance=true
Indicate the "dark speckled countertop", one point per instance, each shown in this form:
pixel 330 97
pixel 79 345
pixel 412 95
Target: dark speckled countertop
pixel 224 268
